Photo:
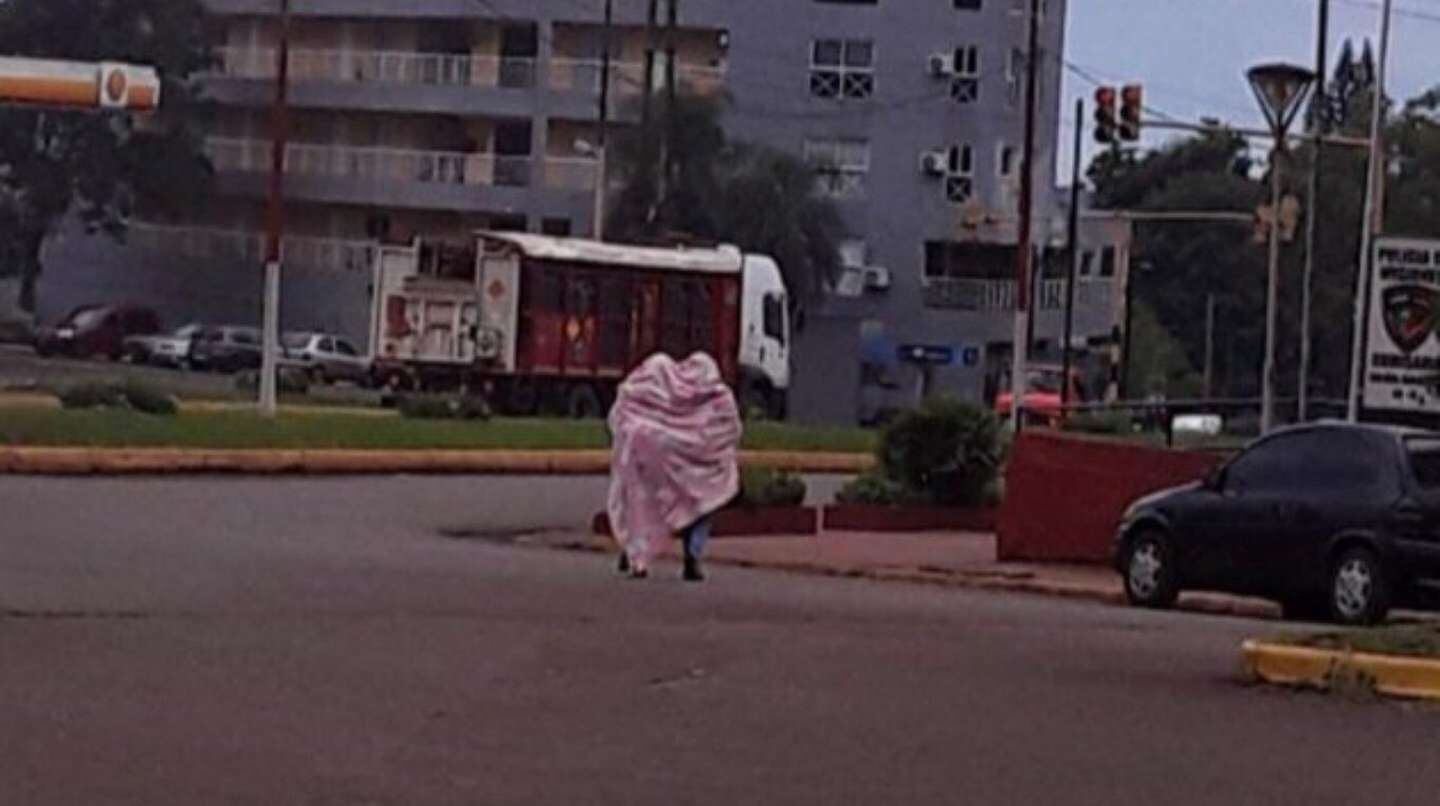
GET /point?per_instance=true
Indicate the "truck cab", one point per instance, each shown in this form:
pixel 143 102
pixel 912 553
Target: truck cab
pixel 765 339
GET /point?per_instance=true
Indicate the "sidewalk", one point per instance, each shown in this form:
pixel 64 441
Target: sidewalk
pixel 953 559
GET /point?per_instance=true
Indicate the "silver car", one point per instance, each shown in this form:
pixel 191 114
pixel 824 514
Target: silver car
pixel 164 349
pixel 326 358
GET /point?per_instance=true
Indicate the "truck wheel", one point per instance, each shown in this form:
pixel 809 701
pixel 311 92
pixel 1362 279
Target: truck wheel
pixel 755 402
pixel 583 403
pixel 522 398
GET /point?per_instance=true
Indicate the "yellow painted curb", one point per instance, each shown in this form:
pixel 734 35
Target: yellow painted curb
pixel 1394 675
pixel 172 461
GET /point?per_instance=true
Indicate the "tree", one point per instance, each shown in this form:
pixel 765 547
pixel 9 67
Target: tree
pixel 100 167
pixel 758 198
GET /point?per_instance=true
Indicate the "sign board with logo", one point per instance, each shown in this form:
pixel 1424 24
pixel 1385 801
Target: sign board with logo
pixel 1402 359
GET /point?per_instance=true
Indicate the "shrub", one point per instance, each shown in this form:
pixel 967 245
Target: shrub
pixel 947 451
pixel 444 407
pixel 292 381
pixel 872 489
pixel 130 395
pixel 763 487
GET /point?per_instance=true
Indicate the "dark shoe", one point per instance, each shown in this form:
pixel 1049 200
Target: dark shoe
pixel 624 566
pixel 692 571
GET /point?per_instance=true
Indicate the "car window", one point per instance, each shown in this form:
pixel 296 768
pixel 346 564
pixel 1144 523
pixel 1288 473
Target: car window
pixel 246 337
pixel 1322 462
pixel 775 317
pixel 1424 455
pixel 186 332
pixel 327 345
pixel 296 341
pixel 89 317
pixel 345 348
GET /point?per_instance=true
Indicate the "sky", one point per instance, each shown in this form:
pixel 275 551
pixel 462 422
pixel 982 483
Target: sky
pixel 1191 55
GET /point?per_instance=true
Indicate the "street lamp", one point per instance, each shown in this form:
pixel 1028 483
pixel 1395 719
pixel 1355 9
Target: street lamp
pixel 589 149
pixel 1281 90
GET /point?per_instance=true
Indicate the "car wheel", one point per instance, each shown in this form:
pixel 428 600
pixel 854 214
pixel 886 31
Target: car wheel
pixel 1150 574
pixel 1359 593
pixel 583 403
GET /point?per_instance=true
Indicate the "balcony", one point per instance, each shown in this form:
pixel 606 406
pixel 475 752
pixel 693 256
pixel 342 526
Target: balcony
pixel 998 296
pixel 395 177
pixel 324 254
pixel 440 83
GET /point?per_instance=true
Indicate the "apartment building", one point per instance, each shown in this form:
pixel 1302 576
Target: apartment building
pixel 433 118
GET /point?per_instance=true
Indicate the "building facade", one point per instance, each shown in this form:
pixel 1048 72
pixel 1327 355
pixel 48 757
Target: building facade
pixel 433 118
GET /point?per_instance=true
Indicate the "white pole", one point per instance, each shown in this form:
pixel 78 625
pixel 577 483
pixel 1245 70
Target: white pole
pixel 602 155
pixel 1369 225
pixel 1272 289
pixel 270 339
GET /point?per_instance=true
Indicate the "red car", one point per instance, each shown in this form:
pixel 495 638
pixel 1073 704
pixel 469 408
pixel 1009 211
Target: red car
pixel 1042 395
pixel 92 331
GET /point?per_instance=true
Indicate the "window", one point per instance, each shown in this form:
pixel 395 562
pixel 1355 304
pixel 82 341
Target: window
pixel 1264 468
pixel 968 5
pixel 327 345
pixel 1087 262
pixel 1107 262
pixel 1005 161
pixel 1316 463
pixel 851 2
pixel 960 174
pixel 1425 461
pixel 775 317
pixel 965 86
pixel 245 337
pixel 345 348
pixel 1014 73
pixel 840 166
pixel 842 68
pixel 559 227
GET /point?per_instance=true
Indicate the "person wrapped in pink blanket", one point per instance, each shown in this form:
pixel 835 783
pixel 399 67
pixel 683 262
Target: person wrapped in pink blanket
pixel 676 431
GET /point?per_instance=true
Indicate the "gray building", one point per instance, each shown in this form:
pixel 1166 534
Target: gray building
pixel 432 118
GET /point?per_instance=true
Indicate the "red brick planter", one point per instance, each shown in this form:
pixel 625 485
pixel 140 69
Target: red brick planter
pixel 743 522
pixel 877 518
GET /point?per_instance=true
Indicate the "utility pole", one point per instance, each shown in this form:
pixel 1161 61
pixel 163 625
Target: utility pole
pixel 1023 251
pixel 1074 238
pixel 602 153
pixel 275 221
pixel 647 112
pixel 1371 224
pixel 1209 346
pixel 1312 218
pixel 667 159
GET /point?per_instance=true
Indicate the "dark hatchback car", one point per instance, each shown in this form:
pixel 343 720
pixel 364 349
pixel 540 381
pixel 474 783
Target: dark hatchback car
pixel 226 349
pixel 96 331
pixel 1335 521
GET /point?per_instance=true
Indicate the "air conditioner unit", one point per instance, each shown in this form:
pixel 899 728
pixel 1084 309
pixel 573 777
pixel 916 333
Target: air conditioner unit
pixel 934 163
pixel 877 278
pixel 941 64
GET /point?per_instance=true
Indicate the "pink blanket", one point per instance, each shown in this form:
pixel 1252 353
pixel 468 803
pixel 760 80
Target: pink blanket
pixel 676 431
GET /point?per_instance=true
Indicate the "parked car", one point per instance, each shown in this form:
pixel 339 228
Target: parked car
pixel 1042 394
pixel 165 349
pixel 92 331
pixel 1335 521
pixel 326 357
pixel 226 349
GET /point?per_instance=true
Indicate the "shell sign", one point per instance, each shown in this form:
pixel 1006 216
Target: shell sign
pixel 78 85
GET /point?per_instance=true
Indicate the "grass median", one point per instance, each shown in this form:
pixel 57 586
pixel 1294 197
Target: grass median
pixel 1404 640
pixel 235 430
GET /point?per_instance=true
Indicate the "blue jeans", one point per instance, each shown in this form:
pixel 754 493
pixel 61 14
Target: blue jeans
pixel 696 536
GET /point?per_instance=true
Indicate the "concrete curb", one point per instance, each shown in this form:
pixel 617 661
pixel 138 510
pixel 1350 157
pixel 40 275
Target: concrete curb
pixel 1392 675
pixel 175 461
pixel 973 579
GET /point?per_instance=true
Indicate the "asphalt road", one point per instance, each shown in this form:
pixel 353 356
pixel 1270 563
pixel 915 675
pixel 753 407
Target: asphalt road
pixel 320 642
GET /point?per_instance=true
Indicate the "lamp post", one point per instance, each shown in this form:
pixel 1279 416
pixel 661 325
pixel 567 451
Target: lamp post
pixel 275 222
pixel 1281 90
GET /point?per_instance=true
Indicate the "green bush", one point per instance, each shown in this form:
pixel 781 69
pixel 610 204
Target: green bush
pixel 763 487
pixel 872 489
pixel 130 395
pixel 443 407
pixel 946 451
pixel 292 381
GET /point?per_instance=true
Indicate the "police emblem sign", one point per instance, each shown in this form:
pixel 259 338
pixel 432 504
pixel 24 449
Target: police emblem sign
pixel 1402 361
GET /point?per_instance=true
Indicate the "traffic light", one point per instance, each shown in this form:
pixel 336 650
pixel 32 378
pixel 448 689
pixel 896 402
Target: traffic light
pixel 1105 122
pixel 1132 103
